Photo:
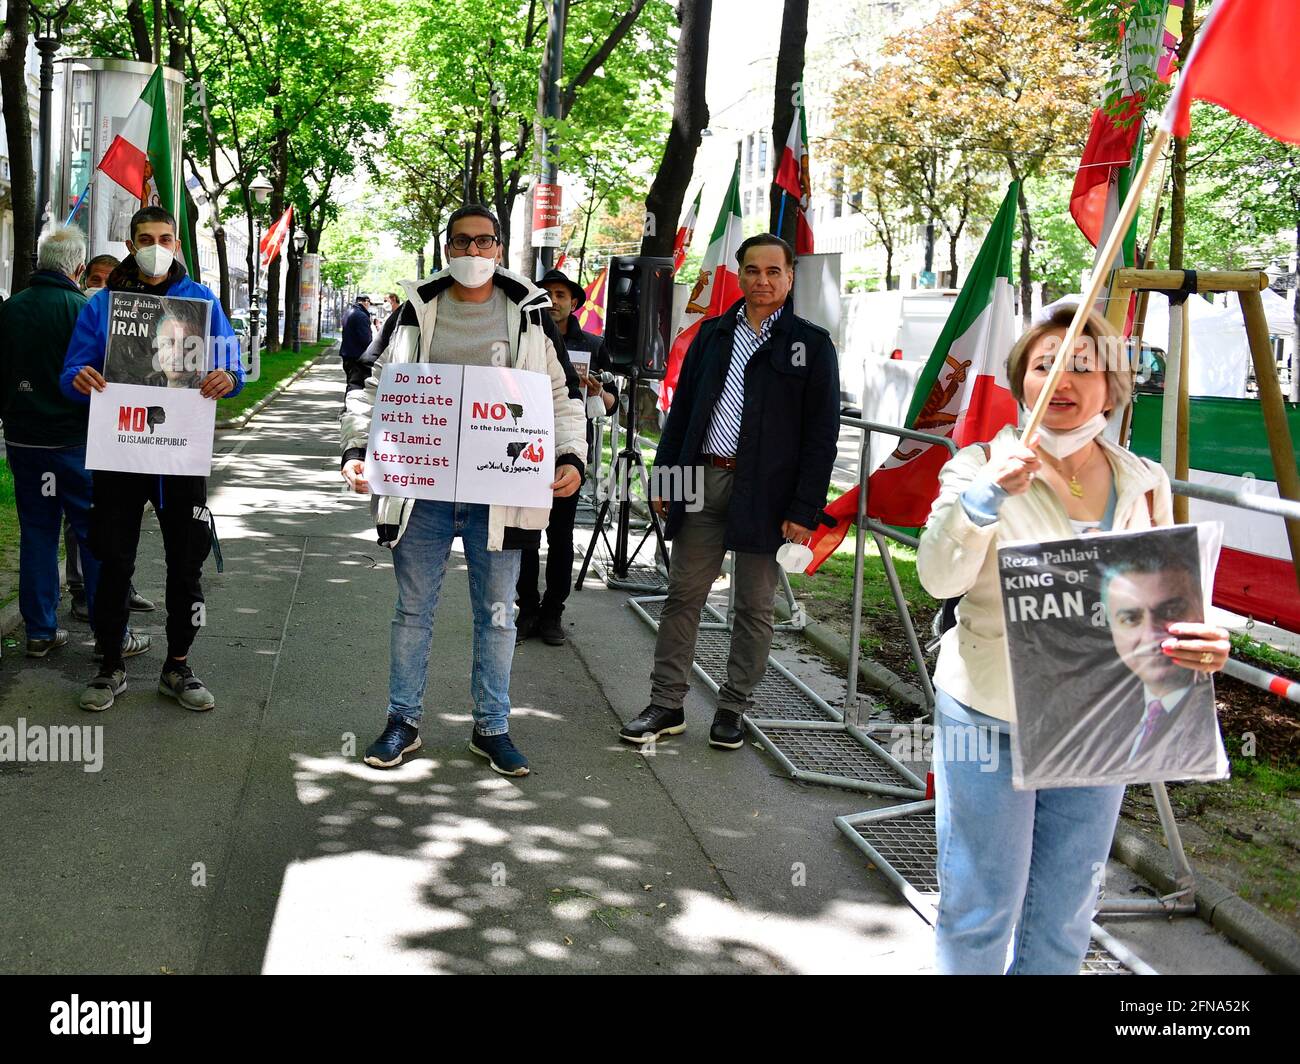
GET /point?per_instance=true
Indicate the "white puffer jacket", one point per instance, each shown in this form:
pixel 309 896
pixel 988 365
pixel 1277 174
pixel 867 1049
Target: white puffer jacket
pixel 531 348
pixel 959 557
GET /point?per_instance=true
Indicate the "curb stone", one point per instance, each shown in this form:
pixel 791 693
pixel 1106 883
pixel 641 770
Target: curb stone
pixel 1268 941
pixel 836 647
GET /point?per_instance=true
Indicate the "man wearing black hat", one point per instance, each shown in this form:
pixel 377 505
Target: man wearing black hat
pixel 540 614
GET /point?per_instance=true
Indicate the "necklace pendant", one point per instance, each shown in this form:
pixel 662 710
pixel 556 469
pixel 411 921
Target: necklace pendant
pixel 1076 489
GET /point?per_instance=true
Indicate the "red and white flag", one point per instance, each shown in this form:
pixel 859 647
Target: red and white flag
pixel 686 233
pixel 793 176
pixel 963 393
pixel 1247 61
pixel 273 239
pixel 716 289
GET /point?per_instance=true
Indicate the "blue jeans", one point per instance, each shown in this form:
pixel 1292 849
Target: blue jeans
pixel 49 483
pixel 1028 860
pixel 420 561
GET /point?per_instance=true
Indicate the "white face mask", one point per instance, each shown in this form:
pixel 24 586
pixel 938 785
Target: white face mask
pixel 1061 445
pixel 154 260
pixel 794 557
pixel 473 271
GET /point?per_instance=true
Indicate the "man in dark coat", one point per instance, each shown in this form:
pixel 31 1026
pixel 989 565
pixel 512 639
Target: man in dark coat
pixel 539 614
pixel 357 334
pixel 744 465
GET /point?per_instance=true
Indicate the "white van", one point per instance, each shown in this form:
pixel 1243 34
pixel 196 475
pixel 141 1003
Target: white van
pixel 888 326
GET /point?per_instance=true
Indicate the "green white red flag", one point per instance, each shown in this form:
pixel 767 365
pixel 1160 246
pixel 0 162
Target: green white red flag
pixel 141 154
pixel 716 289
pixel 793 177
pixel 963 393
pixel 686 233
pixel 1245 60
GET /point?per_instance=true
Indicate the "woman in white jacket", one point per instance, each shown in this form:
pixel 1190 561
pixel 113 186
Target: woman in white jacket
pixel 1028 860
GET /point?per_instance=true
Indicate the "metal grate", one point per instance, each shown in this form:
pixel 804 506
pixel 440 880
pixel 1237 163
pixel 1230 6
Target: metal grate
pixel 906 842
pixel 834 753
pixel 1098 961
pixel 776 697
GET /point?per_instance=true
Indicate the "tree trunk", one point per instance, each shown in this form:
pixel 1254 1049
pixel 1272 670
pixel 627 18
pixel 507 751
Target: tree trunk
pixel 952 259
pixel 663 204
pixel 889 267
pixel 291 299
pixel 140 41
pixel 789 91
pixel 18 129
pixel 223 268
pixel 279 167
pixel 1026 247
pixel 1178 171
pixel 176 37
pixel 192 225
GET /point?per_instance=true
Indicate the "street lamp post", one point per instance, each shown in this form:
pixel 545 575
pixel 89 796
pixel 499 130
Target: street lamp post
pixel 299 243
pixel 47 38
pixel 260 189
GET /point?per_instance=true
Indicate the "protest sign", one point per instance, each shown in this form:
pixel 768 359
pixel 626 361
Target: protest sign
pixel 1097 701
pixel 462 433
pixel 507 425
pixel 151 417
pixel 414 430
pixel 158 341
pixel 135 428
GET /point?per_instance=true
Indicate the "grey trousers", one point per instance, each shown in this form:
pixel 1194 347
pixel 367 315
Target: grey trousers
pixel 697 557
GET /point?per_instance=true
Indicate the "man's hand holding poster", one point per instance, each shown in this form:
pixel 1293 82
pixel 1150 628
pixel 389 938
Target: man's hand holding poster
pixel 465 433
pixel 1098 699
pixel 151 417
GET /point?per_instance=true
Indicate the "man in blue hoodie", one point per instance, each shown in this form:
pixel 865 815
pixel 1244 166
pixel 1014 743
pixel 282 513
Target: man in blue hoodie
pixel 180 502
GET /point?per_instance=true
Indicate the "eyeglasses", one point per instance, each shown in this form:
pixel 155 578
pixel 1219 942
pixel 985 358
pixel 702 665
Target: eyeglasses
pixel 461 242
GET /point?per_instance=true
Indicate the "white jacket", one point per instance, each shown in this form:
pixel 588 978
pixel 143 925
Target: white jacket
pixel 959 557
pixel 531 348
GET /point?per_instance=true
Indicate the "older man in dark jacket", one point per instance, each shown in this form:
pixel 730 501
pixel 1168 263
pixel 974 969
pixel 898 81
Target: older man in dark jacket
pixel 752 430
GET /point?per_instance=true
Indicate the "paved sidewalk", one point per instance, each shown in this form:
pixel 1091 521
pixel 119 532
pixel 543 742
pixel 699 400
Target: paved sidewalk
pixel 252 839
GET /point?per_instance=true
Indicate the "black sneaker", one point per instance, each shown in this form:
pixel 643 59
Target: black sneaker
pixel 653 723
pixel 501 753
pixel 80 608
pixel 551 631
pixel 526 626
pixel 100 692
pixel 139 603
pixel 397 740
pixel 728 731
pixel 180 683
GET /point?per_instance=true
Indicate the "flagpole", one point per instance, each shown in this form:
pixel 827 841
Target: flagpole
pixel 1099 277
pixel 77 206
pixel 780 218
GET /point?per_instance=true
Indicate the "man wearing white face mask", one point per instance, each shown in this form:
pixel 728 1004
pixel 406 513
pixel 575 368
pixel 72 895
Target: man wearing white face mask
pixel 119 498
pixel 473 313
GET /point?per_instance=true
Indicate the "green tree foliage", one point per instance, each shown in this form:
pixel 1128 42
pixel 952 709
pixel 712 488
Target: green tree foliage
pixel 465 125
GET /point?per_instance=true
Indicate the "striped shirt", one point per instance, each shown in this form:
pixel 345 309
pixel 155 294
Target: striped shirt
pixel 723 436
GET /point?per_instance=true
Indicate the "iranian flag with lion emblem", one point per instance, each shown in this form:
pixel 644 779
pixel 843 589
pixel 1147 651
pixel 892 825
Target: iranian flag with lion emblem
pixel 963 393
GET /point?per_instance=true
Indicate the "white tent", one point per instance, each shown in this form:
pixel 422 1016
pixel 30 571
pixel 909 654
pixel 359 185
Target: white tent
pixel 1279 312
pixel 1220 355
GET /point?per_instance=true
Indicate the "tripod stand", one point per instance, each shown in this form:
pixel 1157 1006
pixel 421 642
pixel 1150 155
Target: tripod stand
pixel 619 485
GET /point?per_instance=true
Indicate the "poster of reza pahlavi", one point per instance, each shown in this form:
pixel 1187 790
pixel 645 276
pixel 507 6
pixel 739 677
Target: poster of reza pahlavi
pixel 1097 700
pixel 151 416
